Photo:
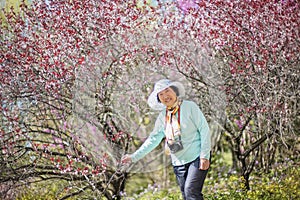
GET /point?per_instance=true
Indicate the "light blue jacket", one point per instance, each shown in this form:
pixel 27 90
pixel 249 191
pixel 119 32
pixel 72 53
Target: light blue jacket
pixel 195 136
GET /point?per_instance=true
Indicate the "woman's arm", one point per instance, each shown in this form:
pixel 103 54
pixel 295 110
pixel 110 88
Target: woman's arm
pixel 151 142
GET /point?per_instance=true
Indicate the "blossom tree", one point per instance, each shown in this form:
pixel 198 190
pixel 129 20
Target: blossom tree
pixel 75 76
pixel 257 44
pixel 250 51
pixel 46 51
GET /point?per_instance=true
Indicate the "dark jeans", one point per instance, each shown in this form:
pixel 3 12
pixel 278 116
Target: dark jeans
pixel 190 180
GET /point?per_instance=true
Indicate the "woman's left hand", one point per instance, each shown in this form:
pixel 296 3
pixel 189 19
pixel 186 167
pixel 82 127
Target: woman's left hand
pixel 204 164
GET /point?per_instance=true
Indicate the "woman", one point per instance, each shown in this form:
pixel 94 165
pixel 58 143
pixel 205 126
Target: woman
pixel 187 137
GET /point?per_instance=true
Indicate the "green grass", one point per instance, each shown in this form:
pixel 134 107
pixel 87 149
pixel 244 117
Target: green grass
pixel 281 183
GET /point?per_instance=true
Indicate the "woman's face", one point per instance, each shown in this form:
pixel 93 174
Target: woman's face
pixel 167 97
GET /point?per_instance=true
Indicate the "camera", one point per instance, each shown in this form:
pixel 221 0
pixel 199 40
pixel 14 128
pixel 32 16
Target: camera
pixel 176 146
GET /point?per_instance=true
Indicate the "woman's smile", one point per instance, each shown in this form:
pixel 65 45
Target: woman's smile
pixel 167 97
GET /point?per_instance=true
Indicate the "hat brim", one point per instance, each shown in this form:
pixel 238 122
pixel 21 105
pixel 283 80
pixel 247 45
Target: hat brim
pixel 153 101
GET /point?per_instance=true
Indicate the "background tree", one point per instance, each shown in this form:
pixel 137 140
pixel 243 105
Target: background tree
pixel 43 52
pixel 258 44
pixel 75 77
pixel 225 46
pixel 66 68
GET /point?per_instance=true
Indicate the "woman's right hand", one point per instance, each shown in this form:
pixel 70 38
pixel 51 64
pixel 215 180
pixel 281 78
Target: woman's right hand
pixel 126 159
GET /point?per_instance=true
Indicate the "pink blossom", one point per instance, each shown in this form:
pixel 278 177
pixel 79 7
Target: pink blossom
pixel 184 5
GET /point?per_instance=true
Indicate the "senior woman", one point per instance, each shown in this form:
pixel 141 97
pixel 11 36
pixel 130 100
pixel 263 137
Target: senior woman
pixel 187 137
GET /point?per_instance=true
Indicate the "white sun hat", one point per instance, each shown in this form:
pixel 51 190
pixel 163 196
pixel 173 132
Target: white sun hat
pixel 160 86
